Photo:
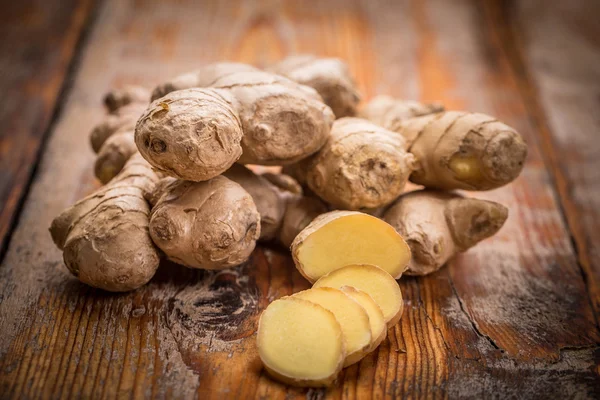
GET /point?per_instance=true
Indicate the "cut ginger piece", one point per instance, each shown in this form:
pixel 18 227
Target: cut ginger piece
pixel 300 342
pixel 374 281
pixel 376 318
pixel 352 317
pixel 340 238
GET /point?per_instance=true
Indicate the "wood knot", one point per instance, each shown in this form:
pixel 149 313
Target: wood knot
pixel 224 305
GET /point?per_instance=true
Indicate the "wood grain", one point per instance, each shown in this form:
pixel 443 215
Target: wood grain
pixel 509 318
pixel 37 47
pixel 555 56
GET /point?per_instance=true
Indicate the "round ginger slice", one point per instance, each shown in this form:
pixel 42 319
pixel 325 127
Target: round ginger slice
pixel 376 318
pixel 352 317
pixel 374 281
pixel 340 238
pixel 300 342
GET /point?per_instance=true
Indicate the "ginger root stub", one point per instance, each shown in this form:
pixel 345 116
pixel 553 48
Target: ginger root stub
pixel 328 76
pixel 300 342
pixel 462 150
pixel 104 237
pixel 438 225
pixel 340 238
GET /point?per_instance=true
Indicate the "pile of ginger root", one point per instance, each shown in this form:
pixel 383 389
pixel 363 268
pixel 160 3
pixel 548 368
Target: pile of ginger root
pixel 178 164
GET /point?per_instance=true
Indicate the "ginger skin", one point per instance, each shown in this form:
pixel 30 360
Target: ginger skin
pixel 328 76
pixel 438 225
pixel 104 237
pixel 462 150
pixel 191 134
pixel 123 118
pixel 210 225
pixel 252 117
pixel 283 213
pixel 128 94
pixel 203 77
pixel 361 166
pixel 388 112
pixel 113 139
pixel 114 153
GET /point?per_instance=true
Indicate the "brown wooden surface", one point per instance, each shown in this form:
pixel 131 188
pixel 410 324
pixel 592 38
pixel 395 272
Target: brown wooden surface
pixel 514 317
pixel 37 46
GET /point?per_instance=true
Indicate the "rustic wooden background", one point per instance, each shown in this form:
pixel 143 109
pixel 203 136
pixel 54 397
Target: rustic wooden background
pixel 515 317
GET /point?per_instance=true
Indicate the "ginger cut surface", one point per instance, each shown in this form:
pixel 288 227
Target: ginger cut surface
pixel 352 317
pixel 339 238
pixel 376 318
pixel 374 281
pixel 300 342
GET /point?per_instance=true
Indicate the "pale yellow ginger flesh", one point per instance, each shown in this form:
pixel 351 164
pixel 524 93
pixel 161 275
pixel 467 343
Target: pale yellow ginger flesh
pixel 352 317
pixel 340 238
pixel 300 342
pixel 372 280
pixel 376 318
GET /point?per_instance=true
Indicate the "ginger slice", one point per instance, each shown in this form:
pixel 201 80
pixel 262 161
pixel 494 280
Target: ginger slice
pixel 300 342
pixel 372 280
pixel 376 318
pixel 340 238
pixel 352 317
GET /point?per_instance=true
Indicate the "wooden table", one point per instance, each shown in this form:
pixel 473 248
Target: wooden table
pixel 515 317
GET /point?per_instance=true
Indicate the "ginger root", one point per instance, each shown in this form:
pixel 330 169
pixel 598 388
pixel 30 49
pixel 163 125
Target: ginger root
pixel 112 139
pixel 438 225
pixel 361 166
pixel 211 225
pixel 330 77
pixel 128 94
pixel 114 153
pixel 462 150
pixel 192 134
pixel 389 112
pixel 283 213
pixel 300 342
pixel 251 117
pixel 340 238
pixel 374 281
pixel 270 201
pixel 353 319
pixel 123 118
pixel 104 237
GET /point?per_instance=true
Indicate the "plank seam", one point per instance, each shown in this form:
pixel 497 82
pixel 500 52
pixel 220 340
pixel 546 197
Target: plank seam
pixel 537 116
pixel 61 98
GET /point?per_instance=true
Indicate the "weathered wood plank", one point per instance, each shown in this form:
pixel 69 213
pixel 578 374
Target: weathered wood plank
pixel 38 44
pixel 509 318
pixel 556 53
